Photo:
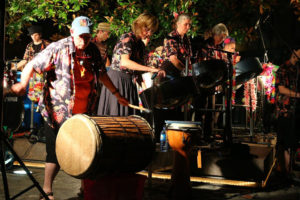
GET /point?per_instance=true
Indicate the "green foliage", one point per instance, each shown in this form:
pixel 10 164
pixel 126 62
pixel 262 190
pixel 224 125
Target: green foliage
pixel 21 13
pixel 238 16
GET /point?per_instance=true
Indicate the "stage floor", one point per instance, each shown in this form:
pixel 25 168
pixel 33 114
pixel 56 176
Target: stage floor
pixel 66 188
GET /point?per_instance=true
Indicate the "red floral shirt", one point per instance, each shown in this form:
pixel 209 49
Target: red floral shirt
pixel 286 76
pixel 180 47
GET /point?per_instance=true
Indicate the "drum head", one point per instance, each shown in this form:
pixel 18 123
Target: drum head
pixel 77 144
pixel 182 125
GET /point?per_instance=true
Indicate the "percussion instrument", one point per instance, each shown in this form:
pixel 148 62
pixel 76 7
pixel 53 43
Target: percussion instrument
pixel 139 108
pixel 13 107
pixel 90 147
pixel 13 64
pixel 247 69
pixel 172 93
pixel 181 134
pixel 209 73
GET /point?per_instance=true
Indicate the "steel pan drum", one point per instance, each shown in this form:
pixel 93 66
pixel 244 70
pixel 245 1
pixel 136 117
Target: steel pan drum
pixel 170 93
pixel 247 69
pixel 90 147
pixel 209 73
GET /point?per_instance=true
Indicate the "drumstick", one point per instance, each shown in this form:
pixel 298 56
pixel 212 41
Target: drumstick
pixel 139 108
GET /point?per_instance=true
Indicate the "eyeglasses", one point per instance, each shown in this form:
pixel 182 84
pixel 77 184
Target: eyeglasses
pixel 148 30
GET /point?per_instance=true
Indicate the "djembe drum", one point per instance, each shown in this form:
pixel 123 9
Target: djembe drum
pixel 89 147
pixel 182 135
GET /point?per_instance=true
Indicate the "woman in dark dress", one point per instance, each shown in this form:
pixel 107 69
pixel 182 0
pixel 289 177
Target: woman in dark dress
pixel 127 64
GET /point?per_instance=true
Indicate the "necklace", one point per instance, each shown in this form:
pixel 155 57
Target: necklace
pixel 82 71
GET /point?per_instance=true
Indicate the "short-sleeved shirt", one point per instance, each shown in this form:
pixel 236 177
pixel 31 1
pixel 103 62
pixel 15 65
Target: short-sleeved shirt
pixel 31 51
pixel 57 60
pixel 37 80
pixel 129 45
pixel 208 51
pixel 102 46
pixel 286 76
pixel 174 44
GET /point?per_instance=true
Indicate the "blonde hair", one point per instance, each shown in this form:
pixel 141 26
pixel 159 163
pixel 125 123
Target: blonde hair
pixel 144 20
pixel 220 29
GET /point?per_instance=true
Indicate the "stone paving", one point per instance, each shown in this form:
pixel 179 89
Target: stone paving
pixel 66 188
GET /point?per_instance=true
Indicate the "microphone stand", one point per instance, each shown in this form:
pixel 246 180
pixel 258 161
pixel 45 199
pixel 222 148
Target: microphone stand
pixel 228 110
pixel 186 74
pixel 266 59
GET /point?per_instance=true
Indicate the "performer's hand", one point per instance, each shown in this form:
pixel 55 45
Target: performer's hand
pixel 18 89
pixel 218 89
pixel 161 73
pixel 123 101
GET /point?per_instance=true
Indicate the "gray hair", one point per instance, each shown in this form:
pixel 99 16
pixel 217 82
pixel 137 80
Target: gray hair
pixel 220 29
pixel 182 17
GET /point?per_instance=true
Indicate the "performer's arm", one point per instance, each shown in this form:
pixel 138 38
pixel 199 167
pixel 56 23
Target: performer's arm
pixel 286 91
pixel 176 62
pixel 130 64
pixel 20 88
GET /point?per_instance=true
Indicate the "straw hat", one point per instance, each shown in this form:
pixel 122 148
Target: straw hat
pixel 103 26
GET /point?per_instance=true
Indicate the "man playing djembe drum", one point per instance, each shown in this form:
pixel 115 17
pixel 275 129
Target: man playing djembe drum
pixel 73 69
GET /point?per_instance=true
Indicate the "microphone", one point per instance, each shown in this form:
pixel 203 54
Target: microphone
pixel 263 21
pixel 257 24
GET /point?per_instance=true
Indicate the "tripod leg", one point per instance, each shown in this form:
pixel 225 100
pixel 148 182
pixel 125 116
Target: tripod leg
pixel 2 165
pixel 26 169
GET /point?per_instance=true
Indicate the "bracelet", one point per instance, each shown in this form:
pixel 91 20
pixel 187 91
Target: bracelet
pixel 115 92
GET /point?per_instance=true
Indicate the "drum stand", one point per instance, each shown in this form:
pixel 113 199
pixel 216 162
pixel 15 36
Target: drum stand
pixel 4 141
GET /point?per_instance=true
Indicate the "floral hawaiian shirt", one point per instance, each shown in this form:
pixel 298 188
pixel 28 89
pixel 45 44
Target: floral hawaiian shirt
pixel 286 76
pixel 30 52
pixel 36 82
pixel 57 60
pixel 180 47
pixel 208 51
pixel 130 45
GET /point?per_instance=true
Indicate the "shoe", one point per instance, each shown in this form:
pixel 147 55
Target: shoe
pixel 80 193
pixel 49 194
pixel 33 139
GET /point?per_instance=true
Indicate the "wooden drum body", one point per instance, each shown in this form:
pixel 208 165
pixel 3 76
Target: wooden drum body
pixel 182 134
pixel 88 147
